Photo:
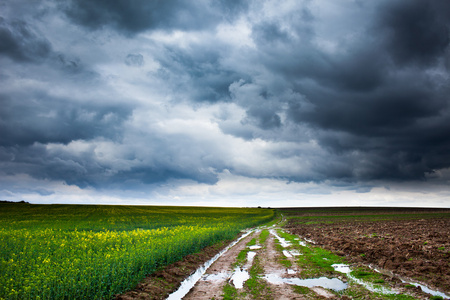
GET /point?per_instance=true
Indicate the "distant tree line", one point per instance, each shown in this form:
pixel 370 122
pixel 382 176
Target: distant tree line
pixel 6 201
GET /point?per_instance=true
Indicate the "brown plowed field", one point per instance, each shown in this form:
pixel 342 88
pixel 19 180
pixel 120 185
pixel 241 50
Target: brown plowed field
pixel 410 243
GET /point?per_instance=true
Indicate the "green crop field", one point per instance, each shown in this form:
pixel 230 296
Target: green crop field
pixel 94 252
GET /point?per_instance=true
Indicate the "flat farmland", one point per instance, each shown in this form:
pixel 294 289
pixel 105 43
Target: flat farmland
pixel 409 242
pixel 97 251
pixel 143 252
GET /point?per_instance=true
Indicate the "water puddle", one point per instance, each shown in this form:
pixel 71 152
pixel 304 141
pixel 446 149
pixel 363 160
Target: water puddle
pixel 342 268
pixel 300 242
pixel 255 247
pixel 287 253
pixel 282 241
pixel 189 282
pixel 309 241
pixel 427 289
pixel 222 276
pixel 239 277
pixel 332 284
pixel 409 281
pixel 295 252
pixel 250 257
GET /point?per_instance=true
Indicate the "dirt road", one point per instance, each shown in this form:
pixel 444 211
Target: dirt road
pixel 270 263
pixel 233 277
pixel 225 271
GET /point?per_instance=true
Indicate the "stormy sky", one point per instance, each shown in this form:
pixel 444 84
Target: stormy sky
pixel 225 102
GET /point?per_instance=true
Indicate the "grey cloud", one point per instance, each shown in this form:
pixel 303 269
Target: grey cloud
pixel 198 72
pixel 136 60
pixel 265 118
pixel 24 121
pixel 22 43
pixel 416 31
pixel 357 91
pixel 148 163
pixel 372 106
pixel 142 15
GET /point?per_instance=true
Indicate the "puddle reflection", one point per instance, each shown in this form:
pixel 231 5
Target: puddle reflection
pixel 250 257
pixel 282 241
pixel 239 277
pixel 332 284
pixel 216 277
pixel 405 280
pixel 287 253
pixel 255 247
pixel 295 252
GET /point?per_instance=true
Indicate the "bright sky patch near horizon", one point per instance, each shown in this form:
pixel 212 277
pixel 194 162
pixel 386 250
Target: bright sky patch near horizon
pixel 225 103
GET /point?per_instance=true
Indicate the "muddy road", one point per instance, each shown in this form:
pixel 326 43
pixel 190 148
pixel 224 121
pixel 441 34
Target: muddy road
pixel 270 263
pixel 228 276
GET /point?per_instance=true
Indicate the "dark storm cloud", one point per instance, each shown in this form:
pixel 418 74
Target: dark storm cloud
pixel 264 118
pixel 81 163
pixel 141 15
pixel 20 42
pixel 346 100
pixel 36 117
pixel 198 71
pixel 375 96
pixel 416 31
pixel 84 169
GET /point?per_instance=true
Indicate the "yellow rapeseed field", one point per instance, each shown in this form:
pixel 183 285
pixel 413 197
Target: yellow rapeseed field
pixel 94 252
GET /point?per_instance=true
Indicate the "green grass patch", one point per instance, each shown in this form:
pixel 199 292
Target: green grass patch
pixel 302 290
pixel 396 297
pixel 252 242
pixel 368 275
pixel 230 292
pixel 263 236
pixel 241 258
pixel 285 263
pixel 317 261
pixel 255 285
pixel 282 260
pixel 287 236
pixel 356 291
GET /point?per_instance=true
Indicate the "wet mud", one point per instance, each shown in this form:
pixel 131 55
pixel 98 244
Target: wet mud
pixel 211 284
pixel 417 249
pixel 162 283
